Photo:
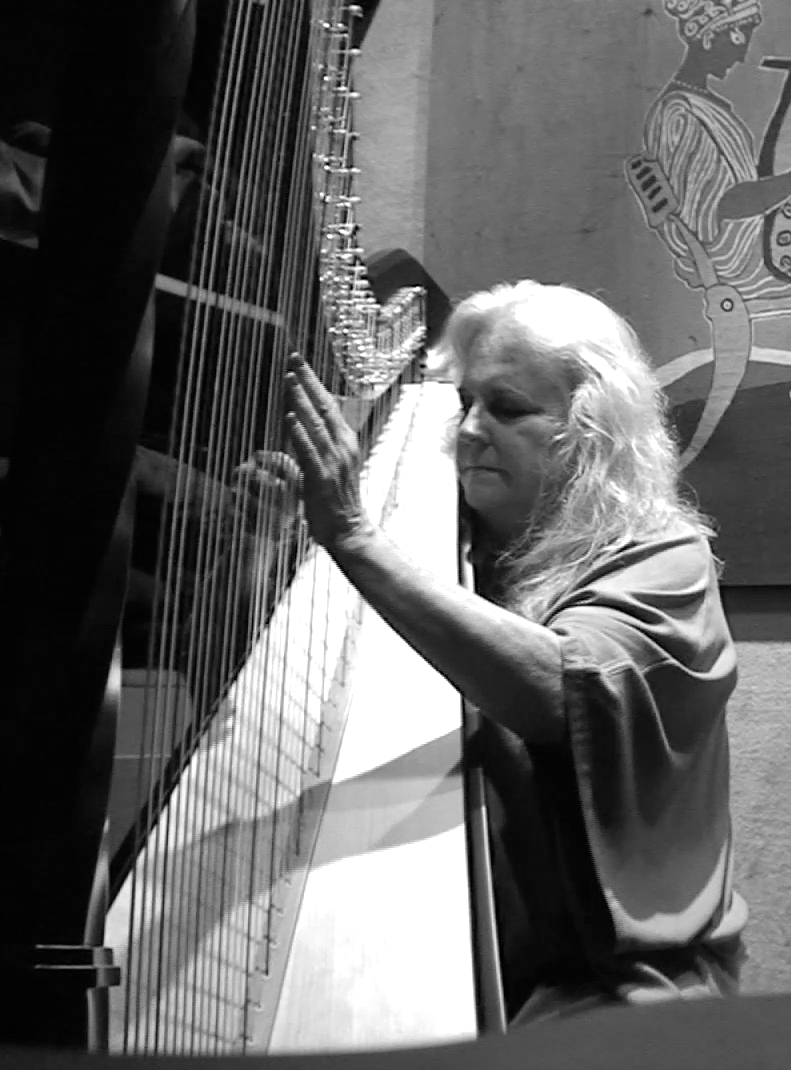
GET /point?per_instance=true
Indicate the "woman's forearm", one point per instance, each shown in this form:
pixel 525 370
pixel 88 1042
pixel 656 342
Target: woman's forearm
pixel 507 666
pixel 166 477
pixel 756 198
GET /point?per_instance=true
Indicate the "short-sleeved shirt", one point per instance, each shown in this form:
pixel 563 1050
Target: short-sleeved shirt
pixel 618 841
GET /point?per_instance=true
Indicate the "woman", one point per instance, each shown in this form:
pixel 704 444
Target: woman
pixel 595 647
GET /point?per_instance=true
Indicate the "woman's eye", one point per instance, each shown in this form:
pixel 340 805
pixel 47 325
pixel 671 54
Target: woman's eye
pixel 500 410
pixel 507 411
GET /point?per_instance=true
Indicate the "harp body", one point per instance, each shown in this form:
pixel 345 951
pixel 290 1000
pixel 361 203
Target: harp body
pixel 251 907
pixel 285 854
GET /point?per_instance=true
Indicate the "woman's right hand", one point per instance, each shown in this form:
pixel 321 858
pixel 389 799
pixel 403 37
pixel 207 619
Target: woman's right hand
pixel 267 488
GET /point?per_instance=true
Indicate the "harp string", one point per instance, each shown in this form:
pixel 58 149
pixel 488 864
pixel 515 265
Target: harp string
pixel 324 226
pixel 284 106
pixel 244 225
pixel 287 301
pixel 175 570
pixel 278 199
pixel 264 521
pixel 204 969
pixel 213 527
pixel 204 331
pixel 134 912
pixel 296 292
pixel 329 373
pixel 235 556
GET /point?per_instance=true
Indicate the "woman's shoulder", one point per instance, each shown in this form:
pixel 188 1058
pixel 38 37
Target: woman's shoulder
pixel 676 559
pixel 650 599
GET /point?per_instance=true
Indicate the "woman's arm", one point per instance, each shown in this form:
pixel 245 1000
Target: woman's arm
pixel 507 666
pixel 754 198
pixel 166 477
pixel 260 489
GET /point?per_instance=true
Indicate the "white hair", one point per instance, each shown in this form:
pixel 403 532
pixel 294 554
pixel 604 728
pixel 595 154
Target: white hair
pixel 617 458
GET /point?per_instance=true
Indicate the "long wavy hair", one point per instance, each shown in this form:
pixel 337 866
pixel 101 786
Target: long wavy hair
pixel 616 463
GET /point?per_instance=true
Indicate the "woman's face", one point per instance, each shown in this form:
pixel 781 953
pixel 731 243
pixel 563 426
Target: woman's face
pixel 513 405
pixel 725 53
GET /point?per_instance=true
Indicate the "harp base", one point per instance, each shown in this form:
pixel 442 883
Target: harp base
pixel 54 995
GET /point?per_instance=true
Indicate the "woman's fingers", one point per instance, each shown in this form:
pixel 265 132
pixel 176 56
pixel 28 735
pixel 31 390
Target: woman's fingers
pixel 268 480
pixel 319 398
pixel 309 457
pixel 318 410
pixel 300 403
pixel 328 454
pixel 275 463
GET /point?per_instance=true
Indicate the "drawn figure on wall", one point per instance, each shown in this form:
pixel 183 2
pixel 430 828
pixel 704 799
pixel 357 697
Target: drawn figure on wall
pixel 721 212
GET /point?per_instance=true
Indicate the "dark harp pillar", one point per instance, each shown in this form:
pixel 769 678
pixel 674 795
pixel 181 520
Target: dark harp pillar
pixel 67 506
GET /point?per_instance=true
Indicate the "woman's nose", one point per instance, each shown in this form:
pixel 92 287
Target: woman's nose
pixel 472 426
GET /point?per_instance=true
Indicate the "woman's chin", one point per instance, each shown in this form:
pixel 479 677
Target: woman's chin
pixel 482 501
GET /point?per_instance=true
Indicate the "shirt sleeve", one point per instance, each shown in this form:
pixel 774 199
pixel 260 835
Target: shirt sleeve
pixel 647 669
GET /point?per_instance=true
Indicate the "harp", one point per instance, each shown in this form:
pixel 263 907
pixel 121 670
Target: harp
pixel 236 661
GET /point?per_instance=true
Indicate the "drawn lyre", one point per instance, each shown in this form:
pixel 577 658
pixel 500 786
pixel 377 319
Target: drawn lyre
pixel 777 224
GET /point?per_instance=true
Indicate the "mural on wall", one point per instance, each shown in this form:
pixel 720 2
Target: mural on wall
pixel 710 189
